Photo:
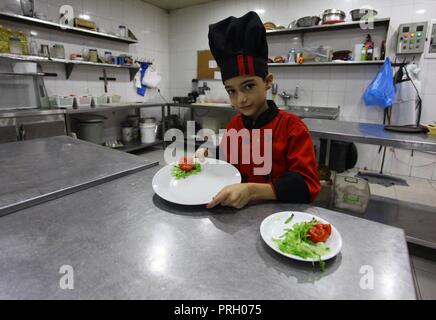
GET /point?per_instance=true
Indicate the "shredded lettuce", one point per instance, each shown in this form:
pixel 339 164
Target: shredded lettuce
pixel 180 174
pixel 295 241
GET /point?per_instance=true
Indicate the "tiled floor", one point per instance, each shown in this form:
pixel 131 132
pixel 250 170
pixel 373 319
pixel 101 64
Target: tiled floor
pixel 419 191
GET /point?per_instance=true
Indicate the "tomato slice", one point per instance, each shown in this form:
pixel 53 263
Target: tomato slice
pixel 186 163
pixel 320 232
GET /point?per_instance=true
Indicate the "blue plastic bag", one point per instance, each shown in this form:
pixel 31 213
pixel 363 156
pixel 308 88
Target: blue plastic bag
pixel 381 91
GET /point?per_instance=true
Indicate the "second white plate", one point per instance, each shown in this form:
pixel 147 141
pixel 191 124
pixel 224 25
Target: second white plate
pixel 274 226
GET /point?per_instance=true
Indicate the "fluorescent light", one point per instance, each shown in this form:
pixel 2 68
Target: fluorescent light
pixel 420 11
pixel 259 11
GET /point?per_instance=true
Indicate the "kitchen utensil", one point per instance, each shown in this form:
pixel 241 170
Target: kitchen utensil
pixel 90 128
pixel 28 7
pixel 333 16
pixel 45 50
pixel 274 226
pixel 197 189
pixel 308 21
pixel 359 14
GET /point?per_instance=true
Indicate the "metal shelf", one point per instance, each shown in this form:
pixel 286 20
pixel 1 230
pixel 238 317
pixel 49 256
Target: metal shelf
pixel 137 145
pixel 64 28
pixel 326 64
pixel 113 107
pixel 69 64
pixel 328 27
pixel 28 74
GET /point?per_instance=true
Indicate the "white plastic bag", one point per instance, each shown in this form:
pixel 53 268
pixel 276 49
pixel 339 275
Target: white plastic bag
pixel 151 78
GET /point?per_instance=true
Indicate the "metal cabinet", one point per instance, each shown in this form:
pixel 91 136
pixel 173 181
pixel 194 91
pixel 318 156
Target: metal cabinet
pixel 21 126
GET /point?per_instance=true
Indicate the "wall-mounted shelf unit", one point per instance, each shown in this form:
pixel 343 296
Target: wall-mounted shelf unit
pixel 328 27
pixel 326 64
pixel 64 28
pixel 69 64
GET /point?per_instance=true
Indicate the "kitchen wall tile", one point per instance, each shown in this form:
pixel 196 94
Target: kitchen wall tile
pixel 422 164
pixel 428 109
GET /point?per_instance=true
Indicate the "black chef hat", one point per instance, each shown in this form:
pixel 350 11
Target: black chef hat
pixel 239 46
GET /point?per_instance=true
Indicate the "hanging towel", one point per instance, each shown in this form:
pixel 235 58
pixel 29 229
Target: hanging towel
pixel 141 89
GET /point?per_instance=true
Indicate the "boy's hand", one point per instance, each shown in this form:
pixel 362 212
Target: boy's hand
pixel 236 195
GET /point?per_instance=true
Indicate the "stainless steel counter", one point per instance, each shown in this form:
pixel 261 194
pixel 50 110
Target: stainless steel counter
pixel 122 241
pixel 35 171
pixel 369 133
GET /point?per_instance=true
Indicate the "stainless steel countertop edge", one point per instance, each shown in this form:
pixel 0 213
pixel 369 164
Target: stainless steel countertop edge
pixel 72 189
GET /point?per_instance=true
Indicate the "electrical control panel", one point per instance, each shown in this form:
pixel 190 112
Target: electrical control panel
pixel 411 37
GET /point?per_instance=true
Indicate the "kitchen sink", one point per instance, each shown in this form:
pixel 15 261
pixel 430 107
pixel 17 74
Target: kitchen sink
pixel 315 112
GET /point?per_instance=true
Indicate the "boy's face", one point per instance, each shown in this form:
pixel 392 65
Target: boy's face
pixel 248 94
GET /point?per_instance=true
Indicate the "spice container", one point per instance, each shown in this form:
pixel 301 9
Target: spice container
pixel 93 55
pixel 58 51
pixel 24 43
pixel 15 46
pixel 4 40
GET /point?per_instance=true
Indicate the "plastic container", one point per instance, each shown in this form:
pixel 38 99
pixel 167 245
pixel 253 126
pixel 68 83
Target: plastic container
pixel 25 67
pixel 148 130
pixel 61 102
pixel 318 54
pixel 351 193
pixel 83 102
pixel 15 46
pixel 4 39
pixel 127 131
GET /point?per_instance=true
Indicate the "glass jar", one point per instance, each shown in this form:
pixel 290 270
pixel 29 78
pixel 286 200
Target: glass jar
pixel 93 55
pixel 15 46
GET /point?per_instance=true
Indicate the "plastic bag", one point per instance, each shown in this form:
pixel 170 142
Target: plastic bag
pixel 381 91
pixel 151 78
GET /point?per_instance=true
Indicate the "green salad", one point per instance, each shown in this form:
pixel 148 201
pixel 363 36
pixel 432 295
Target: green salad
pixel 296 241
pixel 179 173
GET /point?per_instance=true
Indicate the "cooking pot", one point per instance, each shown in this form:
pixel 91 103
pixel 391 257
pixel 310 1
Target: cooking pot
pixel 332 16
pixel 309 21
pixel 358 14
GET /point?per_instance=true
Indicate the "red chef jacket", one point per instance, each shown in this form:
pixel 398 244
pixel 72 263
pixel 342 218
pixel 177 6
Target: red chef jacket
pixel 294 171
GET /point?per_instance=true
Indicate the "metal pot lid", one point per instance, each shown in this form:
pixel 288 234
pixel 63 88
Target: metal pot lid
pixel 334 11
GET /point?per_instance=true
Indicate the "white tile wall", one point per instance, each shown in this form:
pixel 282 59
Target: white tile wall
pixel 149 23
pixel 326 86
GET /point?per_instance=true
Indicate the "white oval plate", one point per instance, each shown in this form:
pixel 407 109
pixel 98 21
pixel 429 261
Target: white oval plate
pixel 274 226
pixel 197 189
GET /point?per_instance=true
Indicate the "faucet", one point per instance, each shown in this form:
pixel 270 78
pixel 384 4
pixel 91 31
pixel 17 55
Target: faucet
pixel 296 94
pixel 286 97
